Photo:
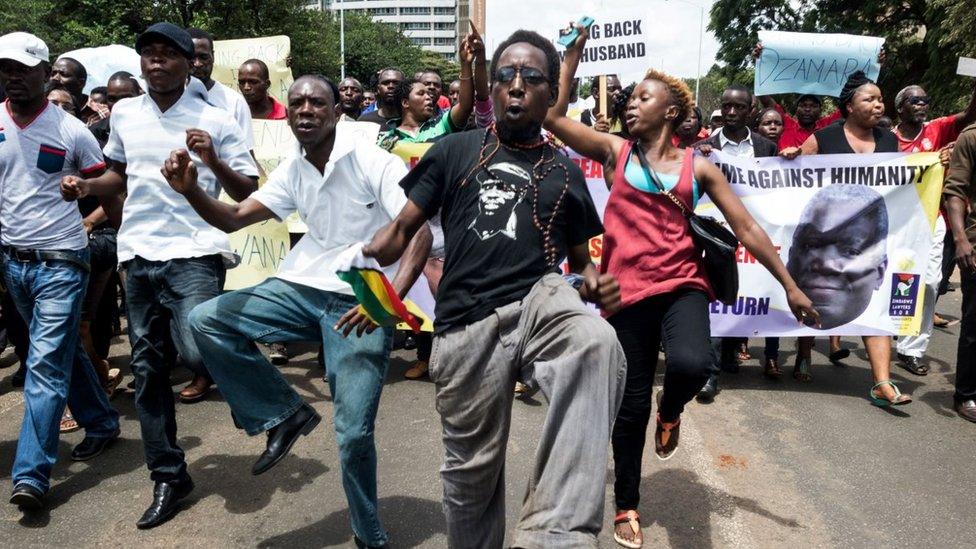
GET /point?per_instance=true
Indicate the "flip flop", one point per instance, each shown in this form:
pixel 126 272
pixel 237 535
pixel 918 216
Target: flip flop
pixel 801 371
pixel 882 402
pixel 632 518
pixel 839 355
pixel 68 422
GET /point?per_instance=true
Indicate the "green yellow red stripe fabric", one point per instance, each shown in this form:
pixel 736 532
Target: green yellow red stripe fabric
pixel 378 298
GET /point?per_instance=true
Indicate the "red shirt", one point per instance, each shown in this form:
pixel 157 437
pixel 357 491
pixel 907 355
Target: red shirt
pixel 935 134
pixel 278 111
pixel 647 241
pixel 794 134
pixel 443 103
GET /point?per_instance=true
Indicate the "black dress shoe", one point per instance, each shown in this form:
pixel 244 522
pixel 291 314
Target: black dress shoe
pixel 166 497
pixel 708 392
pixel 967 409
pixel 281 437
pixel 26 496
pixel 93 446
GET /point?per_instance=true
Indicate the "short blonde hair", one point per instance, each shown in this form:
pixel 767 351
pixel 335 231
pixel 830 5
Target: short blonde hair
pixel 679 94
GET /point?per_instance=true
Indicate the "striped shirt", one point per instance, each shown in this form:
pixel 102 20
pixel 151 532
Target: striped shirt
pixel 158 224
pixel 33 159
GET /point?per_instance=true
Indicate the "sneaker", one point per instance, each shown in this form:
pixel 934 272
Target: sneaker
pixel 666 438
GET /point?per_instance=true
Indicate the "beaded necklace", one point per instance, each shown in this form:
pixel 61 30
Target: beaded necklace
pixel 541 169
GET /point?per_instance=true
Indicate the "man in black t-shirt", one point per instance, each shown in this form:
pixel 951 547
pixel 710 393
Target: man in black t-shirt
pixel 512 208
pixel 387 106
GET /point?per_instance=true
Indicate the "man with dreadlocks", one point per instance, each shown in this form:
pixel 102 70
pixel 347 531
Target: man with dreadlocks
pixel 505 314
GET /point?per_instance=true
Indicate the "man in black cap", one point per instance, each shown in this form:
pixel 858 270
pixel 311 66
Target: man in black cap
pixel 173 259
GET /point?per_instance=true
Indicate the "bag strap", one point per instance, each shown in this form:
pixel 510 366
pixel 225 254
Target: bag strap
pixel 651 176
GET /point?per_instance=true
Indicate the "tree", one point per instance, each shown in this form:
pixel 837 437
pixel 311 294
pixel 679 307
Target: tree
pixel 370 45
pixel 921 47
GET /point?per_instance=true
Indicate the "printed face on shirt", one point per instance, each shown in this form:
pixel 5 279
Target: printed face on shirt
pixel 164 67
pixel 22 84
pixel 311 111
pixel 497 198
pixel 203 59
pixel 838 256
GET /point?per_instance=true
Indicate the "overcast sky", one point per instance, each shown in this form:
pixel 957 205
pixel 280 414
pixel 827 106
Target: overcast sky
pixel 673 42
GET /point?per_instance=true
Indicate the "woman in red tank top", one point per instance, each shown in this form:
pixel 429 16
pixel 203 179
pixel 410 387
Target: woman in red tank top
pixel 664 289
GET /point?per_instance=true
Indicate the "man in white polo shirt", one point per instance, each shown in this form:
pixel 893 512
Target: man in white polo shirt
pixel 173 259
pixel 344 188
pixel 220 95
pixel 45 265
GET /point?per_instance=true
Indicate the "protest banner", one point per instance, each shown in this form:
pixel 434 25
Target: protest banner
pixel 619 37
pixel 273 50
pixel 854 231
pixel 263 246
pixel 966 66
pixel 814 63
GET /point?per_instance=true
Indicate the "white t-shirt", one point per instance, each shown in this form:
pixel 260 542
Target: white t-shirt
pixel 357 194
pixel 33 159
pixel 225 98
pixel 158 223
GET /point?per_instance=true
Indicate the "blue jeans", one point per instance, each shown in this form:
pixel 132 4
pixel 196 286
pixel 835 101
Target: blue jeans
pixel 159 297
pixel 48 295
pixel 259 396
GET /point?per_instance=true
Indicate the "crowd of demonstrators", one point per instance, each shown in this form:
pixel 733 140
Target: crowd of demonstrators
pixel 118 191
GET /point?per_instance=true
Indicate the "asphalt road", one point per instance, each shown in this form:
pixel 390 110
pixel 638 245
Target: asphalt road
pixel 768 464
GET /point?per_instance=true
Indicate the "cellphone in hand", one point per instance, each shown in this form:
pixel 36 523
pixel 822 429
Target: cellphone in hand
pixel 567 38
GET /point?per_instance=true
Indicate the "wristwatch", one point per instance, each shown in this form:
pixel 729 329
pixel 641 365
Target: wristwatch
pixel 574 280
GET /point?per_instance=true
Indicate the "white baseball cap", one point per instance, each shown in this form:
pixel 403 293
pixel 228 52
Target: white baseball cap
pixel 24 48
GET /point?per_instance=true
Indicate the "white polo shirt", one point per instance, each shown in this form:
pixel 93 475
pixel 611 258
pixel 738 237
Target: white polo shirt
pixel 33 159
pixel 225 98
pixel 357 194
pixel 158 223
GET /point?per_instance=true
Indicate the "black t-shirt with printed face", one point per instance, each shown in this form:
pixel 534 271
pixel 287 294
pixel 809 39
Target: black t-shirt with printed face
pixel 494 252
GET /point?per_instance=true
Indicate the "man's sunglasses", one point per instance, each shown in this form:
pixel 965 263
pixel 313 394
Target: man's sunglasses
pixel 530 76
pixel 919 100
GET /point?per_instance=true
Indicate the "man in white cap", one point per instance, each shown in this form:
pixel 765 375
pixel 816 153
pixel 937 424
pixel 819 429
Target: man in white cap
pixel 45 265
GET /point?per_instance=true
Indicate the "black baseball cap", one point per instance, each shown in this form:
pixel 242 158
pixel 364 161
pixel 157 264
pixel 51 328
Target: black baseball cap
pixel 170 34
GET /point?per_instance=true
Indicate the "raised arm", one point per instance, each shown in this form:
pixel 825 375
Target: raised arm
pixel 470 49
pixel 967 116
pixel 181 174
pixel 753 237
pixel 583 139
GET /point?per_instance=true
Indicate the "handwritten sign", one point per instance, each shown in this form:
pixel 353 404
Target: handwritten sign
pixel 619 37
pixel 273 50
pixel 263 246
pixel 966 67
pixel 795 62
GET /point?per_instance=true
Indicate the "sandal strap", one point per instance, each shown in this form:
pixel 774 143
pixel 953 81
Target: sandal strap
pixel 887 382
pixel 625 516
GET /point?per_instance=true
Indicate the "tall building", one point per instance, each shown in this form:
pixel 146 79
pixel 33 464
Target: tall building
pixel 434 25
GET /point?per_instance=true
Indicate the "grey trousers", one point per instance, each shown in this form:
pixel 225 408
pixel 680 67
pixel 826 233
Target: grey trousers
pixel 551 341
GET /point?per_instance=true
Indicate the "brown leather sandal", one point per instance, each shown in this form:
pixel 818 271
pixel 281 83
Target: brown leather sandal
pixel 632 518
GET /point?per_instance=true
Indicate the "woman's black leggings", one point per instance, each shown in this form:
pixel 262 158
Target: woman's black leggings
pixel 680 320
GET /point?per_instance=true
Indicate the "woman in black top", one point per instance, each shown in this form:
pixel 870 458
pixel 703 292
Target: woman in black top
pixel 862 106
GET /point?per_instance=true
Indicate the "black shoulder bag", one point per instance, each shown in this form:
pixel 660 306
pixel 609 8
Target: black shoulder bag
pixel 716 242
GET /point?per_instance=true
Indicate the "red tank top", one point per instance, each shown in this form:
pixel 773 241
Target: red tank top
pixel 647 241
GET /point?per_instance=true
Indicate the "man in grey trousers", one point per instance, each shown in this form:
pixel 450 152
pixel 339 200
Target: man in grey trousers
pixel 512 208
